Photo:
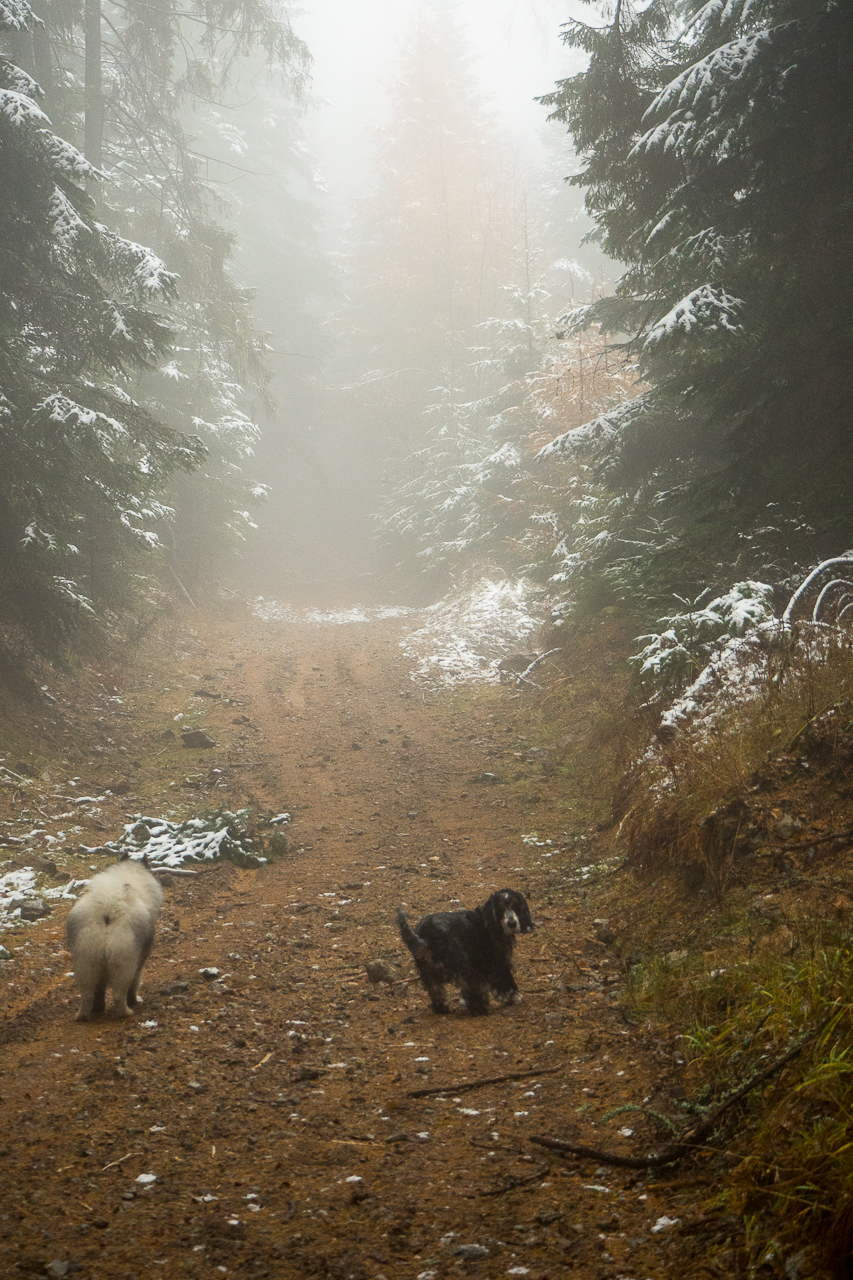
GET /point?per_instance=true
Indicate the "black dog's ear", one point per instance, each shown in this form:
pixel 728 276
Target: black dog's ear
pixel 493 906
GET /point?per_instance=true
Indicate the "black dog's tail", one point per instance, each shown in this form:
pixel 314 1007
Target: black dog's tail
pixel 415 944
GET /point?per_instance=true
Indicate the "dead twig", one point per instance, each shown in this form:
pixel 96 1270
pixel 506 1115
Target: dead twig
pixel 468 1085
pixel 606 1157
pixel 184 590
pixel 694 1136
pixel 513 1183
pixel 535 663
pixel 11 772
pixel 120 1161
pixel 844 834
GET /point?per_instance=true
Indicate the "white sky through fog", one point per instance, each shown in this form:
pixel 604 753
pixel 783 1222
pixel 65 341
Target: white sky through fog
pixel 517 50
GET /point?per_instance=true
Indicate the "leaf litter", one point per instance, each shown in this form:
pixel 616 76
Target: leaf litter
pixel 300 1068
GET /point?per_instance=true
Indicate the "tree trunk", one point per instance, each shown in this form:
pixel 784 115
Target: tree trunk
pixel 94 100
pixel 42 67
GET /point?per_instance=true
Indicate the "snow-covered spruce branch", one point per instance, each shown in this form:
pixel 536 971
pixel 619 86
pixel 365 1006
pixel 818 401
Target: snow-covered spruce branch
pixel 802 590
pixel 730 636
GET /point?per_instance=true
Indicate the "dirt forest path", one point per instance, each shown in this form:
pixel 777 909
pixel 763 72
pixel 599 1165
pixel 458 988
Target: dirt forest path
pixel 265 1124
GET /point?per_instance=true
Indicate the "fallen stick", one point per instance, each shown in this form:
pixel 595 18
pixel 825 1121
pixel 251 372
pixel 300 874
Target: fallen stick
pixel 12 774
pixel 119 1161
pixel 522 677
pixel 693 1137
pixel 535 663
pixel 843 834
pixel 468 1085
pixel 605 1157
pixel 511 1185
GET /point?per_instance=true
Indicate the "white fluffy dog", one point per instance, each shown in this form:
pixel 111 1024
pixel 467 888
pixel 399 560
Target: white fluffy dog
pixel 109 932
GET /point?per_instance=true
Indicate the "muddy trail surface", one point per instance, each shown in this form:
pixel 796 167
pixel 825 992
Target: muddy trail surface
pixel 289 1117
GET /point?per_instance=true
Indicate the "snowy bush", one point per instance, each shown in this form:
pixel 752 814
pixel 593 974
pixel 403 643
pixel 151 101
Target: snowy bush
pixel 691 637
pixel 736 649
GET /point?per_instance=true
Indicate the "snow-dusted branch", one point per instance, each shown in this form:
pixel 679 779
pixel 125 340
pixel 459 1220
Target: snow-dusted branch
pixel 846 559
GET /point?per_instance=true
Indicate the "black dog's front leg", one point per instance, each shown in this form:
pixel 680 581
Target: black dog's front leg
pixel 505 985
pixel 475 994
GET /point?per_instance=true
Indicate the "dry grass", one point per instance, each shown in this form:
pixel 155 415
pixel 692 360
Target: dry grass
pixel 704 816
pixel 789 1147
pixel 691 795
pixel 588 716
pixel 731 981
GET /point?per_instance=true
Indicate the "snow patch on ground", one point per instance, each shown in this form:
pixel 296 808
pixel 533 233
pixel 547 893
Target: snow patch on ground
pixel 165 844
pixel 460 640
pixel 20 885
pixel 468 633
pixel 275 611
pixel 171 844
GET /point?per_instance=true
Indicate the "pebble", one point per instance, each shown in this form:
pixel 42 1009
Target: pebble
pixel 379 971
pixel 470 1251
pixel 196 738
pixel 32 908
pixel 603 932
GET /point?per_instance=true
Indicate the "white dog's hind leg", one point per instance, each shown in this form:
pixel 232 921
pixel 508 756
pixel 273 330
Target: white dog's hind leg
pixel 133 996
pixel 129 950
pixel 124 970
pixel 92 980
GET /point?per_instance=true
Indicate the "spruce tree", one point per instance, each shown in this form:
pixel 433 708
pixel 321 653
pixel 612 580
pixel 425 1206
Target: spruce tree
pixel 717 142
pixel 84 463
pixel 146 87
pixel 435 240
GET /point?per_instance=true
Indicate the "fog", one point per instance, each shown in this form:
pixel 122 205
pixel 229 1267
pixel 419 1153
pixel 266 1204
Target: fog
pixel 516 53
pixel 334 299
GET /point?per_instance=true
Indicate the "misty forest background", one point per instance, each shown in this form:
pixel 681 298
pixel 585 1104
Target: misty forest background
pixel 553 294
pixel 606 347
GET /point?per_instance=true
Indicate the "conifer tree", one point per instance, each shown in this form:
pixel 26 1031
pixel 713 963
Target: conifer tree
pixel 143 84
pixel 84 463
pixel 435 239
pixel 717 141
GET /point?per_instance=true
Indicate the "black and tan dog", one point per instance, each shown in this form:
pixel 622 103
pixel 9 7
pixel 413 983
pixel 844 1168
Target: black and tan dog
pixel 470 948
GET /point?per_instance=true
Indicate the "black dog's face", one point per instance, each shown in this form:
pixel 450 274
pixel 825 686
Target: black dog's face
pixel 512 912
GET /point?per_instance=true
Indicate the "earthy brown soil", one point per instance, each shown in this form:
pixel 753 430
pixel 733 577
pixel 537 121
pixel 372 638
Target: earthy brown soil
pixel 276 1107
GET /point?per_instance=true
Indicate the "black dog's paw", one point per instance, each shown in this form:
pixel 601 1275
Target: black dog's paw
pixel 511 997
pixel 476 1003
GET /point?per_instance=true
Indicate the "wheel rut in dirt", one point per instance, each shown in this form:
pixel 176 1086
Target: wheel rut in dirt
pixel 265 1120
